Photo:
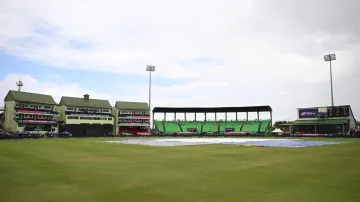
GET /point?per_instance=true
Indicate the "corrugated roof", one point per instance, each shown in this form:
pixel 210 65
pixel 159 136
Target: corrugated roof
pixel 81 102
pixel 132 105
pixel 265 108
pixel 19 96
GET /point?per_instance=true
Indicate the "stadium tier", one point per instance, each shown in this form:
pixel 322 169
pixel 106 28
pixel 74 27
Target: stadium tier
pixel 229 125
pixel 213 126
pixel 251 126
pixel 210 126
pixel 159 126
pixel 265 124
pixel 172 126
pixel 191 126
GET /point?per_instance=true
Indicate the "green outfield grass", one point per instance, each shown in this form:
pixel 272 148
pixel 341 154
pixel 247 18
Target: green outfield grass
pixel 83 170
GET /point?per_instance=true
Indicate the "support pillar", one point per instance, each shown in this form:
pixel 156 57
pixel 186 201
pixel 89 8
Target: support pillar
pixel 258 116
pixel 225 116
pixel 195 116
pixel 185 116
pixel 271 119
pixel 164 116
pixel 236 116
pixel 153 121
pixel 175 116
pixel 215 116
pixel 247 116
pixel 205 116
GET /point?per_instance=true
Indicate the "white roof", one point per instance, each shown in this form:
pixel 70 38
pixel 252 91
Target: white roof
pixel 277 130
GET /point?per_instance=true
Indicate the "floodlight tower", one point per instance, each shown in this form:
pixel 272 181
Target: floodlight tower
pixel 19 84
pixel 329 58
pixel 150 68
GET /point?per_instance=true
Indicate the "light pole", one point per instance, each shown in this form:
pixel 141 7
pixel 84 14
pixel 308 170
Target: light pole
pixel 150 68
pixel 330 57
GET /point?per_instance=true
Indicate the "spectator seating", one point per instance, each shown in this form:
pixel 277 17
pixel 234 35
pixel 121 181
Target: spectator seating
pixel 186 125
pixel 210 126
pixel 159 125
pixel 251 126
pixel 236 125
pixel 172 126
pixel 264 125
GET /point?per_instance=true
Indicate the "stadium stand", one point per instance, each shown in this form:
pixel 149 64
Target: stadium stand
pixel 172 126
pixel 264 125
pixel 210 126
pixel 235 125
pixel 160 126
pixel 251 126
pixel 188 126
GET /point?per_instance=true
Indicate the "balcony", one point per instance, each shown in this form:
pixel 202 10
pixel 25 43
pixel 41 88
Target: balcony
pixel 88 119
pixel 37 112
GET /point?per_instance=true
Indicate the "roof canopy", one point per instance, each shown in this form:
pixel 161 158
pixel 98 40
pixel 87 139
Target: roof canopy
pixel 300 122
pixel 20 96
pixel 85 102
pixel 132 105
pixel 211 109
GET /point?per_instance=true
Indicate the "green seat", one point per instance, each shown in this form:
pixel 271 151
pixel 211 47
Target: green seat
pixel 210 126
pixel 186 125
pixel 172 126
pixel 251 126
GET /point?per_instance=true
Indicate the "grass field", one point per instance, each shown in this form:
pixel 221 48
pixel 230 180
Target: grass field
pixel 85 170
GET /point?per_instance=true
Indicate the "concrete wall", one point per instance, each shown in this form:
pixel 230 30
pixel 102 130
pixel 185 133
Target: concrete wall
pixel 115 113
pixel 10 123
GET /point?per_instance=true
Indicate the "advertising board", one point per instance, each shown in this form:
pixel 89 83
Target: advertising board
pixel 308 113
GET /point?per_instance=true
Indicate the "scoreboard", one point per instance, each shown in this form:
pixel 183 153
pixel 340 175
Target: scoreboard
pixel 325 112
pixel 342 111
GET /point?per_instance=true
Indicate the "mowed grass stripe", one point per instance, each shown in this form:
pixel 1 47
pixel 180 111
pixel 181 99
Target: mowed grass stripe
pixel 85 170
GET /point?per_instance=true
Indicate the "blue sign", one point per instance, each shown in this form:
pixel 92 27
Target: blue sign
pixel 308 113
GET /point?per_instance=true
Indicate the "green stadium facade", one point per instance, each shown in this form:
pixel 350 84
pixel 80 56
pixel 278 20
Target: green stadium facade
pixel 206 126
pixel 25 111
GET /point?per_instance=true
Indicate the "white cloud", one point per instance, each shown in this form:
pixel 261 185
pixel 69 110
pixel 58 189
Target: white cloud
pixel 266 51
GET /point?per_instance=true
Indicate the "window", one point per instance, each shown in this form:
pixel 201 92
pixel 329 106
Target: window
pixel 125 112
pixel 20 125
pixel 73 117
pixel 41 117
pixel 83 110
pixel 109 119
pixel 28 116
pixel 106 111
pixel 69 109
pixel 48 107
pixel 138 113
pixel 18 105
pixel 16 116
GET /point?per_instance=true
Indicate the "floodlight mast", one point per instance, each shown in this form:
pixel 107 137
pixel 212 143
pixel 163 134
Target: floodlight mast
pixel 329 58
pixel 150 68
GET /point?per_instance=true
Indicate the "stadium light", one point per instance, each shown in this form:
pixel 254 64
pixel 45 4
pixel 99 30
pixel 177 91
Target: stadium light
pixel 150 68
pixel 329 58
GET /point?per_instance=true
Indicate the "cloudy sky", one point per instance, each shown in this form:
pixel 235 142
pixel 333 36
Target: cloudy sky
pixel 206 52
